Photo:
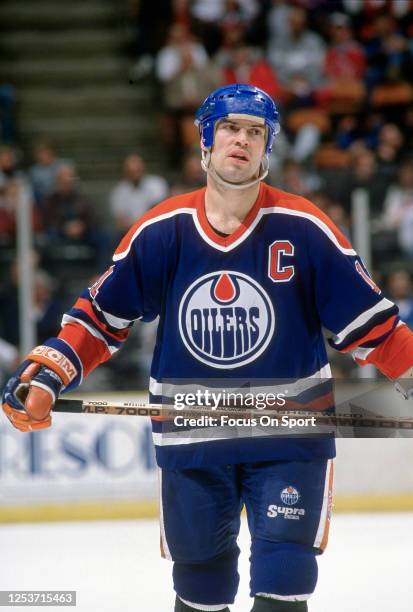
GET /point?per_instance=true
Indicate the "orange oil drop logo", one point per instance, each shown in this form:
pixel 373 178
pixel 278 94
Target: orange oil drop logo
pixel 224 289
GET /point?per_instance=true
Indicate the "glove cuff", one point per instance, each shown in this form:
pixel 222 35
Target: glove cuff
pixel 61 359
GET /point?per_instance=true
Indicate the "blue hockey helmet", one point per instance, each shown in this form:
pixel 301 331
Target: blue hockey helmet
pixel 237 99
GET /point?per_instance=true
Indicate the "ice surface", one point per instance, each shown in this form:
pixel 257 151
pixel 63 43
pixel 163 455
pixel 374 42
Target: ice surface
pixel 115 566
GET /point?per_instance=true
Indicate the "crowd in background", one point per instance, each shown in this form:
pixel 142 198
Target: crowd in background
pixel 341 74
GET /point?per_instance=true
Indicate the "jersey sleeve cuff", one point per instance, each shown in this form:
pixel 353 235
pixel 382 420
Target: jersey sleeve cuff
pixel 394 355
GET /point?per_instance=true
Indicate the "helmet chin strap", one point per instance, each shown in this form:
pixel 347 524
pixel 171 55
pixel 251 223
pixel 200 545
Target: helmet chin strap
pixel 209 169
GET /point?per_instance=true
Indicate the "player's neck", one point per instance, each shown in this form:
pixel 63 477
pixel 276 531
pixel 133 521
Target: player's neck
pixel 226 208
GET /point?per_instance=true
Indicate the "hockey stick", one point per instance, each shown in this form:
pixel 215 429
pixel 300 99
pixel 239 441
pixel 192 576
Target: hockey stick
pixel 135 408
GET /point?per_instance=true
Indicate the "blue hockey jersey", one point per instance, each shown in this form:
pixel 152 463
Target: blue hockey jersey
pixel 249 306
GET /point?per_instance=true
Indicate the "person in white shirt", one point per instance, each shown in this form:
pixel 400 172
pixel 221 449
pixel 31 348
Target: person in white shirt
pixel 135 193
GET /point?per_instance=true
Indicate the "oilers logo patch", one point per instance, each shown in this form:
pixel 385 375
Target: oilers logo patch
pixel 226 319
pixel 290 496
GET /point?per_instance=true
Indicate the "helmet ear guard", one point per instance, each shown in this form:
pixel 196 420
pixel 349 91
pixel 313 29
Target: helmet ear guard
pixel 247 101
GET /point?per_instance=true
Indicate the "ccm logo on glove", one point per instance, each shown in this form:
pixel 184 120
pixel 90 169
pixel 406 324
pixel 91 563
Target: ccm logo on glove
pixel 49 356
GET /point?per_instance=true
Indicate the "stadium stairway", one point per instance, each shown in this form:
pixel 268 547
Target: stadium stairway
pixel 69 66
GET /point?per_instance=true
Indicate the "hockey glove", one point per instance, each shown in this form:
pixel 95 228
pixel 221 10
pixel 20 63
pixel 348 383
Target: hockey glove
pixel 31 392
pixel 29 396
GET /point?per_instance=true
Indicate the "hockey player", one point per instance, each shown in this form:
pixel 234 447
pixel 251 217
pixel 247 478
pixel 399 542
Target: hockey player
pixel 242 276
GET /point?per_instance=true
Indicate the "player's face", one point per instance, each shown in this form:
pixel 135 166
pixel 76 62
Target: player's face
pixel 238 149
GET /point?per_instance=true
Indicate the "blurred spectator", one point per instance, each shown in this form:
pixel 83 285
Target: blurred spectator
pixel 152 21
pixel 12 192
pixel 387 52
pixel 344 68
pixel 7 114
pixel 347 131
pixel 390 149
pixel 9 356
pixel 364 174
pixel 400 196
pixel 237 14
pixel 408 127
pixel 192 177
pixel 231 39
pixel 398 207
pixel 69 218
pixel 334 210
pixel 297 54
pixel 7 215
pixel 43 172
pixel 182 67
pixel 47 307
pixel 398 8
pixel 400 290
pixel 345 58
pixel 357 130
pixel 9 165
pixel 170 61
pixel 135 193
pixel 9 360
pixel 218 10
pixel 214 20
pixel 297 57
pixel 305 127
pixel 246 65
pixel 278 19
pixel 321 199
pixel 296 180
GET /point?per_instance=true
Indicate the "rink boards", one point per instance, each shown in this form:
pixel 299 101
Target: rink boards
pixel 98 466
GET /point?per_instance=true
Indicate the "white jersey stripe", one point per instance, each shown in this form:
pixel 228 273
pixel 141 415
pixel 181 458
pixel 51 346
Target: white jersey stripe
pixel 294 388
pixel 323 226
pixel 263 211
pixel 217 608
pixel 359 321
pixel 271 210
pixel 117 322
pixel 301 597
pixel 168 215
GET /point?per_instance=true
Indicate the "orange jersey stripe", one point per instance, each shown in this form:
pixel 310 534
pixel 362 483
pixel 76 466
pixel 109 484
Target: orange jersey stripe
pixel 91 350
pixel 86 306
pixel 324 540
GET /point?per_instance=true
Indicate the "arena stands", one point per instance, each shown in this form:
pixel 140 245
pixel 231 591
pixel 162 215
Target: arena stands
pixel 341 73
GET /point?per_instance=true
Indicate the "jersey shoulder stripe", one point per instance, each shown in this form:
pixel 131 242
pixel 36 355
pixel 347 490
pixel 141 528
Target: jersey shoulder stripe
pixel 279 201
pixel 181 204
